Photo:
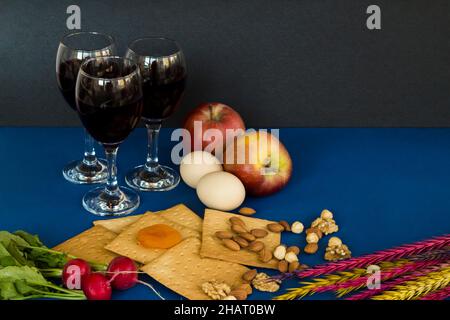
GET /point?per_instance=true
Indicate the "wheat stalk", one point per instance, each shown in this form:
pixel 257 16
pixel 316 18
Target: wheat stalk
pixel 315 285
pixel 366 294
pixel 385 255
pixel 421 286
pixel 438 295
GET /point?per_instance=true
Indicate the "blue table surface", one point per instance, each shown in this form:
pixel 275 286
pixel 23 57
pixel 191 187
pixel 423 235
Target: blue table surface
pixel 386 187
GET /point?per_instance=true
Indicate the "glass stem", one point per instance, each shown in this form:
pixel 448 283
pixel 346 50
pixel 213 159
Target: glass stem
pixel 112 187
pixel 89 151
pixel 152 154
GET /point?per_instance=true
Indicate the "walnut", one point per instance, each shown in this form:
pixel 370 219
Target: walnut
pixel 216 290
pixel 263 282
pixel 327 226
pixel 334 253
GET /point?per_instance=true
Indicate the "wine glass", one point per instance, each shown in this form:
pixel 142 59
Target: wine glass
pixel 163 70
pixel 73 49
pixel 109 103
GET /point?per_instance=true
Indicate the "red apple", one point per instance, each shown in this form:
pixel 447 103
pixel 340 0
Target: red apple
pixel 260 161
pixel 212 115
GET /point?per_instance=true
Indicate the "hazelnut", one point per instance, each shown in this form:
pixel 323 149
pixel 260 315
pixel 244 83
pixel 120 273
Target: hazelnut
pixel 312 238
pixel 334 242
pixel 279 252
pixel 293 249
pixel 297 227
pixel 314 230
pixel 291 257
pixel 326 214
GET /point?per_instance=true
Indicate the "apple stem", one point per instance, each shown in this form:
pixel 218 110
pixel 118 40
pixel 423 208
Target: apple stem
pixel 211 115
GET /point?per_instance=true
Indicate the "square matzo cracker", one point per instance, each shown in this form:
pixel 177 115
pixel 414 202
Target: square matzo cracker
pixel 126 243
pixel 182 270
pixel 179 214
pixel 90 245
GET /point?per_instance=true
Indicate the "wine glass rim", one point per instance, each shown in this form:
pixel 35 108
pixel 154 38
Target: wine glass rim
pixel 71 34
pixel 177 52
pixel 129 75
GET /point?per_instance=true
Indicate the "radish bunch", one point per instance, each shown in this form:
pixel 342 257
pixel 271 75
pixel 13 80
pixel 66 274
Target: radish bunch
pixel 121 274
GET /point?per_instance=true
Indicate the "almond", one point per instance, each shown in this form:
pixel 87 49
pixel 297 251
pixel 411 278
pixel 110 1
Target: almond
pixel 249 275
pixel 283 266
pixel 238 221
pixel 265 255
pixel 275 227
pixel 293 266
pixel 224 235
pixel 238 228
pixel 256 246
pixel 248 236
pixel 241 241
pixel 311 248
pixel 259 233
pixel 231 244
pixel 239 294
pixel 293 249
pixel 285 225
pixel 246 211
pixel 246 287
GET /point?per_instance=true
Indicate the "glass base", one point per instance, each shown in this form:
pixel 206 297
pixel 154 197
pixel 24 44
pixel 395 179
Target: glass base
pixel 101 203
pixel 160 178
pixel 80 173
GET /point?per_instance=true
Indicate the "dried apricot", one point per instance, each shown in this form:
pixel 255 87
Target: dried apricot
pixel 158 236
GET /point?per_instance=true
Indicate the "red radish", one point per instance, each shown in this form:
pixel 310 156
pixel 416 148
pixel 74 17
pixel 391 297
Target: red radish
pixel 74 272
pixel 96 287
pixel 123 273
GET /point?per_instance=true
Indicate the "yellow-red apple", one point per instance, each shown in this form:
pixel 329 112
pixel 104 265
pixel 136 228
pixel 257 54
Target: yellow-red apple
pixel 260 161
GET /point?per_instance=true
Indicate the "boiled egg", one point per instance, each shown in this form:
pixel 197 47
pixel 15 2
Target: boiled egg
pixel 221 190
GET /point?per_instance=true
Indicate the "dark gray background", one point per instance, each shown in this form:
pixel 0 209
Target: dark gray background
pixel 278 62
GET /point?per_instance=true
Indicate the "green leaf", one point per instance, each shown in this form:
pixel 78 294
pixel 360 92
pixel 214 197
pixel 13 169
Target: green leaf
pixel 18 255
pixel 29 274
pixel 6 237
pixel 6 259
pixel 23 288
pixel 8 291
pixel 33 240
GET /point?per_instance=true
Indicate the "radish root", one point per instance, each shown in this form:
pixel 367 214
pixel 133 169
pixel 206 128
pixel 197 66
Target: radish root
pixel 152 288
pixel 138 281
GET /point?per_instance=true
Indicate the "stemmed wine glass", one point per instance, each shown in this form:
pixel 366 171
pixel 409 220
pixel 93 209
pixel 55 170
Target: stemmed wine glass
pixel 109 103
pixel 163 70
pixel 73 49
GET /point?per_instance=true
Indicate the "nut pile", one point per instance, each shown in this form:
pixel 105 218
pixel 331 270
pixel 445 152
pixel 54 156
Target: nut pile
pixel 240 237
pixel 221 291
pixel 336 250
pixel 325 223
pixel 287 258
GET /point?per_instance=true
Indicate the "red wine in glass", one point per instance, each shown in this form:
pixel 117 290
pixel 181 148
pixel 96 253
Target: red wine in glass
pixel 109 102
pixel 73 49
pixel 164 73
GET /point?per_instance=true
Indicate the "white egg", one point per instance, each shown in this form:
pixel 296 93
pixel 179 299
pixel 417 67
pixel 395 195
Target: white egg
pixel 221 191
pixel 196 164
